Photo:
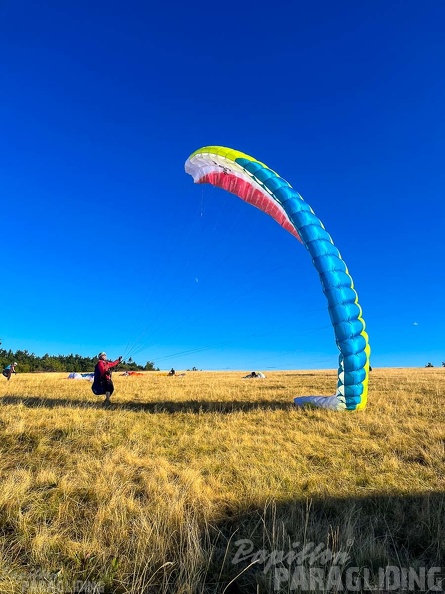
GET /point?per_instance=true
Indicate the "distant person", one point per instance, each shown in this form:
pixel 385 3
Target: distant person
pixel 172 372
pixel 103 383
pixel 9 370
pixel 254 374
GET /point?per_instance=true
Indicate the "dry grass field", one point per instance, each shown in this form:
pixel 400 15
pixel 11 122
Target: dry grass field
pixel 179 486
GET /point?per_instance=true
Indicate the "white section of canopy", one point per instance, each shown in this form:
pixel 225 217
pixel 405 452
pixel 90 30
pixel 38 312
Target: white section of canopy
pixel 330 402
pixel 75 376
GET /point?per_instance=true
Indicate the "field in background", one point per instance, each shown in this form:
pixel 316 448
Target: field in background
pixel 155 494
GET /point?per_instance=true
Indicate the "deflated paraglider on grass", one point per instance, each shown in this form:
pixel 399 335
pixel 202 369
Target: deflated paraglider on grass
pixel 255 183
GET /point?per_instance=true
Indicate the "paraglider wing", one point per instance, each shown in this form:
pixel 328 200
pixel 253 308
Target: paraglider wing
pixel 255 183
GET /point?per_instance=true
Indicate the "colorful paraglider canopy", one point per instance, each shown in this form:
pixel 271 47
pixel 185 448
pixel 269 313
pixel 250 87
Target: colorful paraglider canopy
pixel 257 184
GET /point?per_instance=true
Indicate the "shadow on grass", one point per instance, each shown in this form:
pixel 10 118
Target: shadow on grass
pixel 274 548
pixel 189 406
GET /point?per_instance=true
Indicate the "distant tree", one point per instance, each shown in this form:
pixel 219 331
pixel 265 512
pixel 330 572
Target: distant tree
pixel 429 365
pixel 29 362
pixel 149 366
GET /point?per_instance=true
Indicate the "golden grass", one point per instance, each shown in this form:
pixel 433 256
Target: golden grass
pixel 153 494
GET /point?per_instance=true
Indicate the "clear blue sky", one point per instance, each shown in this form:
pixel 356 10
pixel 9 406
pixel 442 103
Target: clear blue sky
pixel 108 244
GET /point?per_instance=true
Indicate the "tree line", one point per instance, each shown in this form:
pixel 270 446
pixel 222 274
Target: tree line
pixel 29 362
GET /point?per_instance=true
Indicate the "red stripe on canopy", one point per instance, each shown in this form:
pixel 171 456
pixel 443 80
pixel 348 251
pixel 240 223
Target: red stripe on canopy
pixel 247 192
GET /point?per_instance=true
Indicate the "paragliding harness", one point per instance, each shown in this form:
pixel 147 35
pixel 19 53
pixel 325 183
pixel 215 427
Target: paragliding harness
pixel 8 371
pixel 102 383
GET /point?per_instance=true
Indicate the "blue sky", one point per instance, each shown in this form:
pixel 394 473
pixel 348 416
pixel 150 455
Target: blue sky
pixel 108 244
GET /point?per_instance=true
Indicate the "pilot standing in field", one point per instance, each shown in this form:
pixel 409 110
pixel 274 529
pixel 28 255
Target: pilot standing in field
pixel 9 370
pixel 103 383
